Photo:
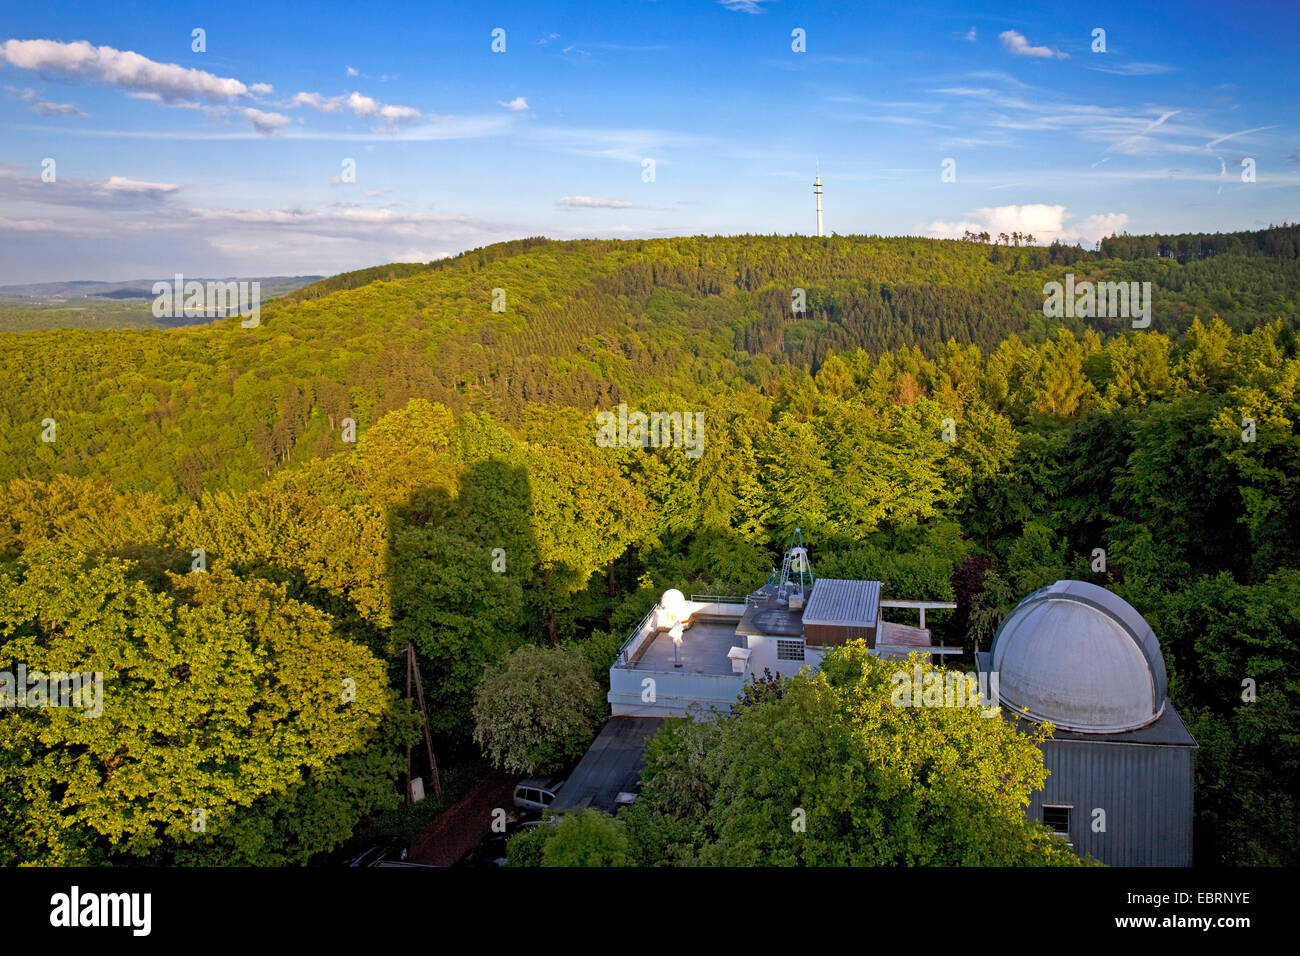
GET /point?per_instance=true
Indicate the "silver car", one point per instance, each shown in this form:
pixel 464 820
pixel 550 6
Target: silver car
pixel 537 793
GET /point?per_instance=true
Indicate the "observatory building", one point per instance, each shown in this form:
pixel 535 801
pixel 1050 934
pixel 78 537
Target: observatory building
pixel 1120 760
pixel 1073 654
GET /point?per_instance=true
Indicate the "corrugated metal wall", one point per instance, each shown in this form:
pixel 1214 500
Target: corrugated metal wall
pixel 1145 790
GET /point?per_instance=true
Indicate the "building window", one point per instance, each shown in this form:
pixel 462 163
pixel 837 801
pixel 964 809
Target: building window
pixel 1057 819
pixel 789 650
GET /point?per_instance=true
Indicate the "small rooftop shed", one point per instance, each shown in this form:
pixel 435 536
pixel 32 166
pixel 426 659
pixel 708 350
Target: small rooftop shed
pixel 840 611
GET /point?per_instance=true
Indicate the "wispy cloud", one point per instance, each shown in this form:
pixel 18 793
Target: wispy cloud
pixel 116 192
pixel 443 128
pixel 1133 69
pixel 44 107
pixel 1241 132
pixel 518 104
pixel 591 202
pixel 1146 129
pixel 627 145
pixel 744 6
pixel 57 109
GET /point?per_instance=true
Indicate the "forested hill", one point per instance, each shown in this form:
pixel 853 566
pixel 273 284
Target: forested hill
pixel 385 461
pixel 585 324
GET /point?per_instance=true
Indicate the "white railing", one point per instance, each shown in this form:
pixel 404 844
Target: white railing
pixel 922 606
pixel 636 639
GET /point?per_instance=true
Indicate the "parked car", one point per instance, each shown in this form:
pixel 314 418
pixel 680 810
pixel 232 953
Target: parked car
pixel 537 793
pixel 380 854
pixel 490 852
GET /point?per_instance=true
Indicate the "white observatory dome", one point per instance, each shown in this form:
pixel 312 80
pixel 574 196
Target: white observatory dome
pixel 673 609
pixel 1081 657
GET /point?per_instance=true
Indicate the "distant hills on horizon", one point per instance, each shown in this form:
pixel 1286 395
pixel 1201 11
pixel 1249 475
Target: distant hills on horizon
pixel 92 304
pixel 141 288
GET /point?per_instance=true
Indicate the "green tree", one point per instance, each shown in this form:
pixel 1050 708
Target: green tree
pixel 224 697
pixel 587 838
pixel 832 772
pixel 535 712
pixel 526 847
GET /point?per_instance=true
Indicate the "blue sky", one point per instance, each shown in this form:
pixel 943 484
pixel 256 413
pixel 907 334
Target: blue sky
pixel 230 161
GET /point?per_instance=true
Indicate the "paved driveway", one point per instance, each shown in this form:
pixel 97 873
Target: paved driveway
pixel 460 827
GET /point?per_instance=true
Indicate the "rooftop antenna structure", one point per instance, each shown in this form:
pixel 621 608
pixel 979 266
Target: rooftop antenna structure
pixel 796 580
pixel 817 191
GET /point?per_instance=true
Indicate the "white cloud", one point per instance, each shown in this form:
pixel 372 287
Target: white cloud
pixel 1017 44
pixel 268 124
pixel 362 105
pixel 1044 222
pixel 1100 226
pixel 518 104
pixel 352 71
pixel 121 184
pixel 419 255
pixel 398 114
pixel 744 6
pixel 591 202
pixel 971 35
pixel 121 69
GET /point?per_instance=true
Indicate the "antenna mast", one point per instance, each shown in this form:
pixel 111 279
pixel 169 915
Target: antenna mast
pixel 817 191
pixel 796 581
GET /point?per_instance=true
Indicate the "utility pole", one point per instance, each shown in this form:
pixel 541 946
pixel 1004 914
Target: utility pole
pixel 413 670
